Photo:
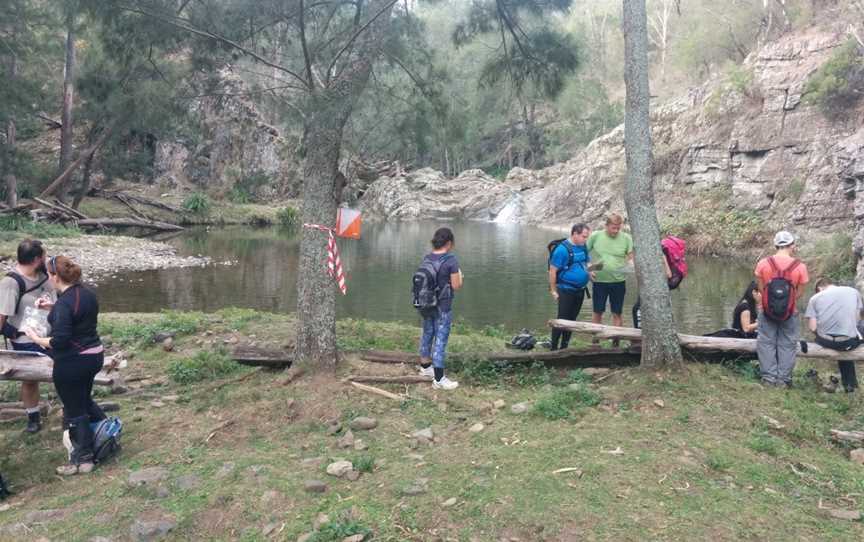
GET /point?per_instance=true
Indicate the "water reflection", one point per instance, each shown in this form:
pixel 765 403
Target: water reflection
pixel 504 267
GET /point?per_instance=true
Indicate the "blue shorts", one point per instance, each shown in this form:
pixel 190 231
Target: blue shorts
pixel 613 291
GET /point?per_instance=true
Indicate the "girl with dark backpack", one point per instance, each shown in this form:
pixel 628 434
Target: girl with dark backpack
pixel 433 287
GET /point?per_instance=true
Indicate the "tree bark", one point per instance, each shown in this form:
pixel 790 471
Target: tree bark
pixel 660 345
pixel 85 181
pixel 330 108
pixel 68 97
pixel 9 154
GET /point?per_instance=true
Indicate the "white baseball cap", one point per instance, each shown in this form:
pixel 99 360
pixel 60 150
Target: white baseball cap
pixel 784 239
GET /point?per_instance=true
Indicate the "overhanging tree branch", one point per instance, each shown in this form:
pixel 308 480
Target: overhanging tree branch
pixel 384 9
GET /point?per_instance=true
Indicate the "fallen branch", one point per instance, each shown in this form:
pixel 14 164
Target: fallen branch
pixel 35 368
pixel 411 379
pixel 378 391
pixel 138 199
pixel 218 428
pixel 129 223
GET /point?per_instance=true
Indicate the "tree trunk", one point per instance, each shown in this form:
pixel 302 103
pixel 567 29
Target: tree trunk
pixel 9 154
pixel 660 345
pixel 85 182
pixel 68 97
pixel 330 108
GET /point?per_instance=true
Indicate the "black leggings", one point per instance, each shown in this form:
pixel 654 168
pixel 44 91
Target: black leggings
pixel 569 305
pixel 73 377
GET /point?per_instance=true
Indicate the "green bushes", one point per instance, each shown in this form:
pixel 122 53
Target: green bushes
pixel 205 365
pixel 563 403
pixel 137 333
pixel 288 217
pixel 13 226
pixel 837 85
pixel 197 203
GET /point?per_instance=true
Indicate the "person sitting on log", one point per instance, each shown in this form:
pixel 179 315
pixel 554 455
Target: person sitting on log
pixel 19 291
pixel 744 317
pixel 833 315
pixel 77 351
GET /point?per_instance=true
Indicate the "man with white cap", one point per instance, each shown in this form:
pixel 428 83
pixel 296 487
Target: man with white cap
pixel 781 278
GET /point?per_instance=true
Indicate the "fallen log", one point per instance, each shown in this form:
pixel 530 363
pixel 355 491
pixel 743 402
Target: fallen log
pixel 697 344
pixel 386 356
pixel 129 223
pixel 37 368
pixel 855 437
pixel 571 357
pixel 259 357
pixel 408 379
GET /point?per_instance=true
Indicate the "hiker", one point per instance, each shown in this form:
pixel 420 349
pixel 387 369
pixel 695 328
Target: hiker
pixel 77 351
pixel 781 278
pixel 434 284
pixel 614 249
pixel 19 291
pixel 568 277
pixel 833 315
pixel 744 316
pixel 674 265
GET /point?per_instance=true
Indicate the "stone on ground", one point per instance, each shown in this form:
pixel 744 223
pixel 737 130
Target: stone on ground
pixel 148 476
pixel 363 423
pixel 339 468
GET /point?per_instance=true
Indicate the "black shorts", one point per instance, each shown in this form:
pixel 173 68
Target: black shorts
pixel 613 291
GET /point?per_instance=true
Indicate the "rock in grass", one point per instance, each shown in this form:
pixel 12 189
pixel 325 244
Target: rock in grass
pixel 419 487
pixel 499 403
pixel 314 486
pixel 168 345
pixel 424 435
pixel 353 475
pixel 850 515
pixel 339 468
pixel 146 530
pixel 449 502
pixel 269 529
pixel 363 423
pixel 857 456
pixel 519 408
pixel 333 427
pixel 149 476
pixel 188 482
pixel 162 336
pixel 476 428
pixel 359 445
pixel 354 538
pixel 346 441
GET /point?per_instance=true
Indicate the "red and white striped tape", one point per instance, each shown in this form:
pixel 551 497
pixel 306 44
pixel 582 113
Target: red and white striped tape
pixel 334 263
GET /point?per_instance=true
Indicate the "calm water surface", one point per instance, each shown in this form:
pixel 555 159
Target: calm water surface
pixel 504 267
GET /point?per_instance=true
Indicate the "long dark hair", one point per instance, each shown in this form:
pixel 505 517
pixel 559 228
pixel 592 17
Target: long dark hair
pixel 749 299
pixel 441 237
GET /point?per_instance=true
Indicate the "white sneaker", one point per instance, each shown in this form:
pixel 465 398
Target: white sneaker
pixel 444 384
pixel 427 371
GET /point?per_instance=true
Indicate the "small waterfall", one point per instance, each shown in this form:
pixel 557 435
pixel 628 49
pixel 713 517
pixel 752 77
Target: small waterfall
pixel 512 210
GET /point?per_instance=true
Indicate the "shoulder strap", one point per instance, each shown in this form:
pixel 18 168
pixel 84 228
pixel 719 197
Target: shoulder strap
pixel 795 263
pixel 22 288
pixel 773 265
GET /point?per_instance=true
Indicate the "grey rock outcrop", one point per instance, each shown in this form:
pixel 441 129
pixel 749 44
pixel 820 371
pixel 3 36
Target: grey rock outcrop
pixel 237 145
pixel 754 147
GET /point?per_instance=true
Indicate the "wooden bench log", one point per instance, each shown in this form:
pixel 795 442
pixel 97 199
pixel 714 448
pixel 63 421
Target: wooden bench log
pixel 261 357
pixel 37 368
pixel 697 343
pixel 571 357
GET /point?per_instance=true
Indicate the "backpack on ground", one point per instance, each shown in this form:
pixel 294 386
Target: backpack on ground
pixel 779 296
pixel 106 439
pixel 424 286
pixel 674 248
pixel 9 331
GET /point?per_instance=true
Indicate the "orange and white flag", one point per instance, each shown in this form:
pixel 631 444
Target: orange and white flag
pixel 348 223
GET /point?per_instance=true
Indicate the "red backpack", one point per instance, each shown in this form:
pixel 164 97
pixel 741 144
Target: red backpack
pixel 674 249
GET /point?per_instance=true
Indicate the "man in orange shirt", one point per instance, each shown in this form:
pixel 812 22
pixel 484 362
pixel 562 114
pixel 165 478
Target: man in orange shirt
pixel 781 280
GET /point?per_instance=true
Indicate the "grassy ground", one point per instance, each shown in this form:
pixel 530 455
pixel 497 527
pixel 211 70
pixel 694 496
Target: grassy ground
pixel 676 456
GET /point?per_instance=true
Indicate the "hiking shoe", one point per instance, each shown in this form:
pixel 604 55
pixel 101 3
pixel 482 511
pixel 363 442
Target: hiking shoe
pixel 445 384
pixel 427 371
pixel 71 469
pixel 33 427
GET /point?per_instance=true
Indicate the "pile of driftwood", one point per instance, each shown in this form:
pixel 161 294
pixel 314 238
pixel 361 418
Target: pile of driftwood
pixel 55 211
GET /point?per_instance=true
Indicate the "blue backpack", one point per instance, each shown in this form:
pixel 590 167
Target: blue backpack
pixel 571 258
pixel 106 438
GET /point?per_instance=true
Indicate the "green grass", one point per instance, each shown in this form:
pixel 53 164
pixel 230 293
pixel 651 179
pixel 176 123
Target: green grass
pixel 705 466
pixel 288 217
pixel 197 203
pixel 203 365
pixel 141 330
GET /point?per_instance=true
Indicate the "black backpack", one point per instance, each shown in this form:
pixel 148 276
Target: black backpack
pixel 425 290
pixel 9 331
pixel 779 293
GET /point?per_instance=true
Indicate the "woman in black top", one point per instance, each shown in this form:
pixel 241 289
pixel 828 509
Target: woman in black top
pixel 77 351
pixel 744 316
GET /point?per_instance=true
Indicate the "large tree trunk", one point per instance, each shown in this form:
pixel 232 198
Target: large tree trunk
pixel 68 97
pixel 85 182
pixel 660 345
pixel 330 109
pixel 9 155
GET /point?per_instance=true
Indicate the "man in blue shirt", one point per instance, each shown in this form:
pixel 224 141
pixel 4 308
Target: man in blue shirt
pixel 568 276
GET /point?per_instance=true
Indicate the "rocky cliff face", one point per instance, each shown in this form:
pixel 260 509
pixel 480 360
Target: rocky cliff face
pixel 237 147
pixel 752 146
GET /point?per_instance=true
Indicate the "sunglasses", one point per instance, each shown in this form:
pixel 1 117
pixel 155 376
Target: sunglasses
pixel 52 265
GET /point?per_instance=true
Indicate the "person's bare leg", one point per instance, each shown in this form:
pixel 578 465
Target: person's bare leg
pixel 596 318
pixel 617 321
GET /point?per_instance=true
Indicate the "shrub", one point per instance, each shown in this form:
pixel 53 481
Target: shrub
pixel 563 403
pixel 837 84
pixel 239 195
pixel 288 217
pixel 205 365
pixel 364 463
pixel 197 203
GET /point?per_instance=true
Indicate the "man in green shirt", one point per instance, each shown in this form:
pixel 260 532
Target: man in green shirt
pixel 614 249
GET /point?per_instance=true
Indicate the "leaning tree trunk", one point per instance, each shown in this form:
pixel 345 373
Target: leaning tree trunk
pixel 68 98
pixel 330 108
pixel 660 344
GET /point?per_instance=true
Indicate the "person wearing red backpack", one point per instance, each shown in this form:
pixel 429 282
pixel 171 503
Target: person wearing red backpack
pixel 781 279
